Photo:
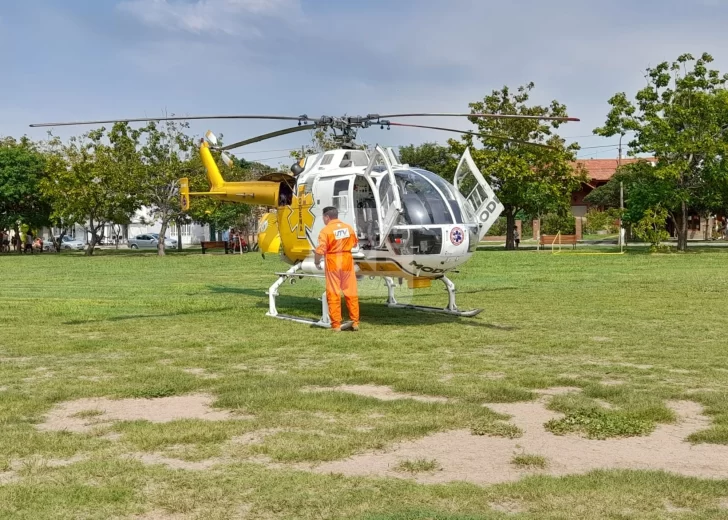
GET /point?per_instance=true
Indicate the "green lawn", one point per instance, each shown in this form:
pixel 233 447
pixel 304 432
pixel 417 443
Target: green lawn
pixel 131 325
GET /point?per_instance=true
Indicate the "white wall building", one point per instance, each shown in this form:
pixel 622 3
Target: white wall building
pixel 141 223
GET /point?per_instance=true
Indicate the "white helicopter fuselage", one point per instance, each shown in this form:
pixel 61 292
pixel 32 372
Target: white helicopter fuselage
pixel 410 222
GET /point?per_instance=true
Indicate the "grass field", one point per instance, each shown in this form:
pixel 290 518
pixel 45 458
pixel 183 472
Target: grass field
pixel 633 332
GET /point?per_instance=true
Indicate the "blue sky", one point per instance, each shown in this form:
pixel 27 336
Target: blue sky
pixel 87 59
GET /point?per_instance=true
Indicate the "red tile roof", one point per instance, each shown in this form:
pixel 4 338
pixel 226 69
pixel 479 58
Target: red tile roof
pixel 603 169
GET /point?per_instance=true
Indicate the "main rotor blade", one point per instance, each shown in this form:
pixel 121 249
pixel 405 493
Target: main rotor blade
pixel 490 116
pixel 476 134
pixel 174 118
pixel 268 136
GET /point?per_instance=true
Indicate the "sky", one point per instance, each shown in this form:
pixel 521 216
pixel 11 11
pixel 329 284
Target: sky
pixel 67 60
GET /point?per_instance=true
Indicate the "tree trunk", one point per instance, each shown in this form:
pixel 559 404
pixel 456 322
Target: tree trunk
pixel 162 233
pixel 18 246
pixel 510 226
pixel 179 236
pixel 681 224
pixel 94 235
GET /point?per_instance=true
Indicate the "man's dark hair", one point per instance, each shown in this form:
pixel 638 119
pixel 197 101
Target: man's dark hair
pixel 331 212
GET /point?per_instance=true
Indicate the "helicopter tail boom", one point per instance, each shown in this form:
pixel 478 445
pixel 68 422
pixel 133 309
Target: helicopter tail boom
pixel 213 172
pixel 257 193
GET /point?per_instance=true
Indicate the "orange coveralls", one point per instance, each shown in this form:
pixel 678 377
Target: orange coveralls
pixel 335 242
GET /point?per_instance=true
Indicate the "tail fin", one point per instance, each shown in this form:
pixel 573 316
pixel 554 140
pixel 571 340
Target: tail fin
pixel 213 173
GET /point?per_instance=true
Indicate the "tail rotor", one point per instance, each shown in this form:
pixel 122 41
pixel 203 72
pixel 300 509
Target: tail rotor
pixel 211 139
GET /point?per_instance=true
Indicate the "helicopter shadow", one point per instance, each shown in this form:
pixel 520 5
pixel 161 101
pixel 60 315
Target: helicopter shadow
pixel 371 311
pixel 125 317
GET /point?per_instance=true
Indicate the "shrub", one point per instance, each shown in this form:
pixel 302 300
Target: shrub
pixel 597 221
pixel 554 223
pixel 651 228
pixel 499 228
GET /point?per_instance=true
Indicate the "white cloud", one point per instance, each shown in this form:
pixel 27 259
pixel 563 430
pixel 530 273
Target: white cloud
pixel 238 17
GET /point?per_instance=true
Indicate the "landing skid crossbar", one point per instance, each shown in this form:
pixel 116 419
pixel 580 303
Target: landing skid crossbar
pixel 451 309
pixel 324 322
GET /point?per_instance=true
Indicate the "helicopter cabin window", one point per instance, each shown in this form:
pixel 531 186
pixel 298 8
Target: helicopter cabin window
pixel 327 159
pixel 341 195
pixel 354 158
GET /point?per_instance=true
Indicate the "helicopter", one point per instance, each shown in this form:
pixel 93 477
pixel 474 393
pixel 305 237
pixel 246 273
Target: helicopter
pixel 411 223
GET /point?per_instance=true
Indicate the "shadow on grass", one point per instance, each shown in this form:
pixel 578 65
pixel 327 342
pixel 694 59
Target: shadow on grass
pixel 125 317
pixel 310 307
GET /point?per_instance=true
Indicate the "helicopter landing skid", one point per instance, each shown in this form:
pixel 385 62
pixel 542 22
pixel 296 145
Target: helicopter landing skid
pixel 324 322
pixel 451 309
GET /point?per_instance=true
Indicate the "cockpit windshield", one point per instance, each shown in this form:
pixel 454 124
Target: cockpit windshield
pixel 427 199
pixel 456 201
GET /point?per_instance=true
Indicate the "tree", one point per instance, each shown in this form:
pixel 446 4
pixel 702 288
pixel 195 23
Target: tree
pixel 165 152
pixel 681 119
pixel 430 156
pixel 90 182
pixel 528 178
pixel 22 166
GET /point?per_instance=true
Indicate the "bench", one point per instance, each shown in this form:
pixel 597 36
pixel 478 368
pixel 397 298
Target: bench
pixel 564 240
pixel 217 244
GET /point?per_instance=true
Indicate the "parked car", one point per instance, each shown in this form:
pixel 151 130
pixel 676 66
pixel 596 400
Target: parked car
pixel 150 241
pixel 66 243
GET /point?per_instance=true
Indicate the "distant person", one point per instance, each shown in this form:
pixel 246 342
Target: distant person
pixel 516 236
pixel 29 242
pixel 335 243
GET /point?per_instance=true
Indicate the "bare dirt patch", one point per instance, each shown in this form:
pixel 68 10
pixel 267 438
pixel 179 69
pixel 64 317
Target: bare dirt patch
pixel 612 382
pixel 383 393
pixel 672 508
pixel 34 464
pixel 201 372
pixel 76 416
pixel 152 459
pixel 508 507
pixel 255 437
pixel 486 460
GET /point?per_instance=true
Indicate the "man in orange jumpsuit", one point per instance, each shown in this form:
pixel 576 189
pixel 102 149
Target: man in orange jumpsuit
pixel 335 242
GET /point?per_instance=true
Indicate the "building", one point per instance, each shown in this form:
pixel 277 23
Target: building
pixel 141 223
pixel 600 171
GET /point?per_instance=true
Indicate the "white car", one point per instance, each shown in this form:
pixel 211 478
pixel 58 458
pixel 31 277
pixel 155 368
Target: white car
pixel 66 243
pixel 150 241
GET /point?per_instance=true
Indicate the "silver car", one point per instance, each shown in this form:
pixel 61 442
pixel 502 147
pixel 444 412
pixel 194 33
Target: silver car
pixel 150 241
pixel 66 243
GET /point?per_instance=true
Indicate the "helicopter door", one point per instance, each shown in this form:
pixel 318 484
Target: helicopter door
pixel 479 196
pixel 386 194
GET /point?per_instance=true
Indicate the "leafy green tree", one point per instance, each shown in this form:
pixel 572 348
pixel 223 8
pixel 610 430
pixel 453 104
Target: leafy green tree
pixel 90 182
pixel 22 167
pixel 165 151
pixel 651 227
pixel 430 156
pixel 681 119
pixel 533 179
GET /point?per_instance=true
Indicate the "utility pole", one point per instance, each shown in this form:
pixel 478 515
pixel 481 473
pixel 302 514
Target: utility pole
pixel 621 198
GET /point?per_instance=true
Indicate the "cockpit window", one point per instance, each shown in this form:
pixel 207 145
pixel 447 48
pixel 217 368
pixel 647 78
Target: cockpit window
pixel 423 204
pixel 457 202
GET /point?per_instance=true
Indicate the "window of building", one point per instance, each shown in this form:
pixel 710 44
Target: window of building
pixel 694 223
